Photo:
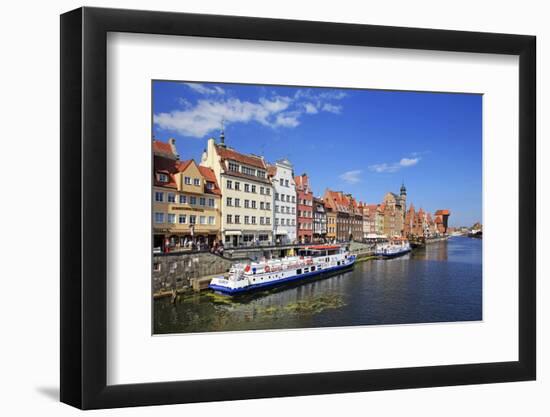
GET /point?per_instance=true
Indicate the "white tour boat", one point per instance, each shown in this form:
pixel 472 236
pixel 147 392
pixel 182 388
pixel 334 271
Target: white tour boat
pixel 313 261
pixel 395 247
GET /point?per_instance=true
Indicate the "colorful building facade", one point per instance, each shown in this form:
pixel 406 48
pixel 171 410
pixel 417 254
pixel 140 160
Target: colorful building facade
pixel 186 202
pixel 304 208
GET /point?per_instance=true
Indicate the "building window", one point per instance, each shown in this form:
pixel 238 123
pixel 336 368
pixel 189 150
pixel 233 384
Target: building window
pixel 183 199
pixel 182 219
pixel 193 200
pixel 196 181
pixel 163 178
pixel 286 183
pixel 268 191
pixel 261 220
pixel 171 198
pixel 229 201
pixel 233 167
pixel 156 267
pixel 253 219
pixel 192 219
pixel 261 174
pixel 159 196
pixel 253 202
pixel 237 219
pixel 211 202
pixel 246 203
pixel 268 220
pixel 276 222
pixel 202 219
pixel 209 185
pixel 248 171
pixel 237 202
pixel 262 190
pixel 202 201
pixel 247 188
pixel 237 186
pixel 276 196
pixel 211 220
pixel 293 199
pixel 268 206
pixel 229 219
pixel 229 184
pixel 171 218
pixel 159 217
pixel 187 180
pixel 246 220
pixel 262 205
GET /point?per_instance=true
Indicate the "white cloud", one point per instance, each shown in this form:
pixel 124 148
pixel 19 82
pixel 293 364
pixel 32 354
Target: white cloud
pixel 408 162
pixel 394 166
pixel 310 108
pixel 206 115
pixel 202 89
pixel 351 177
pixel 287 119
pixel 332 108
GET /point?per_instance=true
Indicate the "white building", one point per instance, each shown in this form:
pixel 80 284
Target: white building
pixel 247 195
pixel 284 187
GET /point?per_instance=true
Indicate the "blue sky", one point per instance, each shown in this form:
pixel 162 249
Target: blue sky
pixel 365 142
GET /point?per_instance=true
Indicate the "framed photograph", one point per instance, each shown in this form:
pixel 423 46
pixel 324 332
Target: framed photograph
pixel 258 208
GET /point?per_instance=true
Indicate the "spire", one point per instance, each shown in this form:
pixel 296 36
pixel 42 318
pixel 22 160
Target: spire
pixel 403 189
pixel 222 134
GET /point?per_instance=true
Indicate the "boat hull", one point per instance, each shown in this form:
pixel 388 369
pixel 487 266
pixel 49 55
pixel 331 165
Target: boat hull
pixel 297 279
pixel 393 255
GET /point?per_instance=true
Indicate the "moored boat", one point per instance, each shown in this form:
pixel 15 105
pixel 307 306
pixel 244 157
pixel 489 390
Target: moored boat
pixel 313 261
pixel 395 247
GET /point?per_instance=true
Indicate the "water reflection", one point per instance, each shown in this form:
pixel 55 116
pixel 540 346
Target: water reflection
pixel 439 283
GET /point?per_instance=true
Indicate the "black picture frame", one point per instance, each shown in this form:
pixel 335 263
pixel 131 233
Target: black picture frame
pixel 84 207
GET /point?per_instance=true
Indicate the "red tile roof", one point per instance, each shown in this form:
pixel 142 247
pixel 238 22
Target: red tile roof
pixel 166 166
pixel 442 213
pixel 210 177
pixel 163 149
pixel 272 170
pixel 252 160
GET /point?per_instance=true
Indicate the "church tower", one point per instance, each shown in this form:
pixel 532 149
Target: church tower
pixel 403 197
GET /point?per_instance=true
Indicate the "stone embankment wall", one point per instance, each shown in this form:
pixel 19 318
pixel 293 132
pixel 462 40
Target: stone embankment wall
pixel 177 270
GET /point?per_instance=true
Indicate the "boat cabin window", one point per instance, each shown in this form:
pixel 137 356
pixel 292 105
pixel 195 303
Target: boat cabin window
pixel 306 269
pixel 298 271
pixel 312 268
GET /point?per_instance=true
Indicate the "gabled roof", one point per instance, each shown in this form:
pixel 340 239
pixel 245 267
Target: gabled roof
pixel 164 165
pixel 272 170
pixel 163 149
pixel 442 213
pixel 210 177
pixel 233 155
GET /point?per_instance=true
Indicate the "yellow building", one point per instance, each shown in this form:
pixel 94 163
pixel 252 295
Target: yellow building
pixel 331 224
pixel 186 202
pixel 247 203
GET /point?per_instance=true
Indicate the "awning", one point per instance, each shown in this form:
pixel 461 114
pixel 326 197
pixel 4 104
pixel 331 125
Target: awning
pixel 233 233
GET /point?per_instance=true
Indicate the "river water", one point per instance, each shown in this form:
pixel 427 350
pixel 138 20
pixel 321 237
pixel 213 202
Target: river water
pixel 440 283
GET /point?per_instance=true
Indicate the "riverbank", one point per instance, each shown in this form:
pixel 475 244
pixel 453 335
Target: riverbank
pixel 438 283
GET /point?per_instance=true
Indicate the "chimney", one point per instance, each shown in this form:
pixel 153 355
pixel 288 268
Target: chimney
pixel 172 143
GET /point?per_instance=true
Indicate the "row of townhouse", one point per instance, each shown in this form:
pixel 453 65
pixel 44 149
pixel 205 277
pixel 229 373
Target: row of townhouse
pixel 240 199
